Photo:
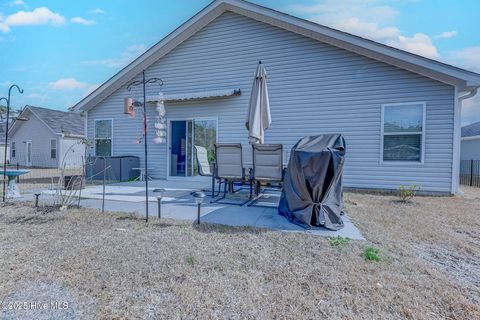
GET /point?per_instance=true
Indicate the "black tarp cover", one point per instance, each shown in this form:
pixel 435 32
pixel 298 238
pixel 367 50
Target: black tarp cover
pixel 312 189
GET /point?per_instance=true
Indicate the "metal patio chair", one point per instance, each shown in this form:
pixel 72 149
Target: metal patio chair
pixel 205 169
pixel 229 168
pixel 267 168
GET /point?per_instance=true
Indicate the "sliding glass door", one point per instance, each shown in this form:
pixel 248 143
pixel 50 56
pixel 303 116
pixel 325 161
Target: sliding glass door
pixel 184 135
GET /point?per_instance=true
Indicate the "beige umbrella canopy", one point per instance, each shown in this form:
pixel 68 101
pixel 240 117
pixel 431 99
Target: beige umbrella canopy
pixel 258 116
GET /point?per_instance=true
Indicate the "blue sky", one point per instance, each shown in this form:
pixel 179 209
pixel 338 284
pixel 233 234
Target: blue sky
pixel 58 51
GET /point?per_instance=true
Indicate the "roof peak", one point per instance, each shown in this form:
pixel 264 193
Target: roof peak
pixel 464 80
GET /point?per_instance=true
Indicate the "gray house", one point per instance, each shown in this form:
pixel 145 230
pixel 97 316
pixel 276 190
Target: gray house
pixel 3 145
pixel 399 112
pixel 471 142
pixel 47 138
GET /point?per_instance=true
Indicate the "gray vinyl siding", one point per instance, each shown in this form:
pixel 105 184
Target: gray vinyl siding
pixel 314 88
pixel 40 135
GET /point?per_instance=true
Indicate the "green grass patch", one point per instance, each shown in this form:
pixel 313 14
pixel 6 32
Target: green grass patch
pixel 190 260
pixel 371 254
pixel 338 241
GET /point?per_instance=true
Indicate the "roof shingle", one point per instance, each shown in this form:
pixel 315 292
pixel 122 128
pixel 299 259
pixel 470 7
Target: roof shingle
pixel 471 130
pixel 69 123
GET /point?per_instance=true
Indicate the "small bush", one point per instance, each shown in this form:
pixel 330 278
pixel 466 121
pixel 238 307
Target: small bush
pixel 371 254
pixel 338 241
pixel 190 260
pixel 407 193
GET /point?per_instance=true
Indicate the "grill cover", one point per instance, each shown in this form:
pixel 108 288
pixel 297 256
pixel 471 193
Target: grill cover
pixel 312 190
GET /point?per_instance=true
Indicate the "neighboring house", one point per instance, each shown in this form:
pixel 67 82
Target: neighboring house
pixel 399 112
pixel 2 145
pixel 47 138
pixel 471 142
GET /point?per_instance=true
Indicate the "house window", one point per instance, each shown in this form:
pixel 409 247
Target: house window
pixel 403 132
pixel 103 138
pixel 53 148
pixel 14 150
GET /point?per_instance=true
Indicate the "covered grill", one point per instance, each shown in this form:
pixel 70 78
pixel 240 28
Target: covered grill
pixel 312 190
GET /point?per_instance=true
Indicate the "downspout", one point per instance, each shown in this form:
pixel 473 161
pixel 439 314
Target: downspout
pixel 457 138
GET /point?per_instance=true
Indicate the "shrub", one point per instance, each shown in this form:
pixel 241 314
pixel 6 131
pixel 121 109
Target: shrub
pixel 371 254
pixel 338 241
pixel 407 193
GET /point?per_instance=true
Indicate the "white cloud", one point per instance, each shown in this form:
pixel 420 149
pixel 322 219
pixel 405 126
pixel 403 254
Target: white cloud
pixel 367 10
pixel 97 11
pixel 68 84
pixel 36 96
pixel 364 29
pixel 368 19
pixel 468 58
pixel 446 34
pixel 17 3
pixel 39 16
pixel 131 53
pixel 420 44
pixel 82 21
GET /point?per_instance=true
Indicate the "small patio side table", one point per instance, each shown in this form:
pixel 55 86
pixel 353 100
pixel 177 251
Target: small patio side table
pixel 142 176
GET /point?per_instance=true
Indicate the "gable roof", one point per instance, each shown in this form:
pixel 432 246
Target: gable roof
pixel 465 80
pixel 471 130
pixel 59 122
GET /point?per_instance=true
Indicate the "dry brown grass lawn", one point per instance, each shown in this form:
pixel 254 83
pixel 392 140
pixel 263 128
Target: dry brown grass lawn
pixel 114 266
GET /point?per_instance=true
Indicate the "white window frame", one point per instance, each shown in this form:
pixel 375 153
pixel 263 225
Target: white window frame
pixel 51 149
pixel 95 136
pixel 13 151
pixel 382 133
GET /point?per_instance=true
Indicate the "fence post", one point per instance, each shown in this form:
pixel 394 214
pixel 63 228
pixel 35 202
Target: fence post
pixel 104 176
pixel 471 172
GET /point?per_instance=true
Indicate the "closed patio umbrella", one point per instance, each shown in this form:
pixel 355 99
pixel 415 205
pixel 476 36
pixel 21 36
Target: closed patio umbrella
pixel 258 116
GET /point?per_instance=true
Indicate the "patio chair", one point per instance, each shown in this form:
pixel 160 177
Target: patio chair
pixel 205 169
pixel 267 167
pixel 229 167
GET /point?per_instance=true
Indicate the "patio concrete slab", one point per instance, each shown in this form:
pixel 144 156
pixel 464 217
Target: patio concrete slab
pixel 232 215
pixel 178 203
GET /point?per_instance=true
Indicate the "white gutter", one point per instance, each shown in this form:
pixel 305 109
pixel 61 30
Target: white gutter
pixel 471 138
pixel 67 135
pixel 468 95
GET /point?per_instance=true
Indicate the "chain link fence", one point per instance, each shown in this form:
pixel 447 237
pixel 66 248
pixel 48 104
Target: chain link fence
pixel 62 185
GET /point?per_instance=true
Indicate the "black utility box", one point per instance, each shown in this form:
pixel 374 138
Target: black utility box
pixel 75 182
pixel 119 168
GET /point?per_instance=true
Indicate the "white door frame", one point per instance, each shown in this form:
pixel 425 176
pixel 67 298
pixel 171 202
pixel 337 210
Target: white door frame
pixel 28 163
pixel 169 139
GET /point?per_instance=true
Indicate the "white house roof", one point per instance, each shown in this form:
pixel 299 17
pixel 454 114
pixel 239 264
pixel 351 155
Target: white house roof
pixel 464 80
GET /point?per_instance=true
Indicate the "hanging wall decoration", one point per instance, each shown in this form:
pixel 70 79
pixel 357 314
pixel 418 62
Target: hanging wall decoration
pixel 161 122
